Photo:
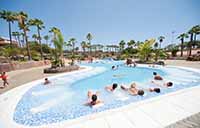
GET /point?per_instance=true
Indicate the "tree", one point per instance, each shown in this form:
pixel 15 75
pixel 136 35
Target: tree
pixel 191 33
pixel 161 38
pixel 156 50
pixel 182 37
pixel 196 30
pixel 89 38
pixel 131 43
pixel 10 17
pixel 54 30
pixel 23 39
pixel 46 37
pixel 40 25
pixel 122 45
pixel 72 42
pixel 84 46
pixel 17 37
pixel 173 49
pixel 58 42
pixel 22 20
pixel 145 49
pixel 35 37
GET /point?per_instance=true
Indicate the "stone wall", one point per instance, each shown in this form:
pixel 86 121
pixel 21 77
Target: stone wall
pixel 6 67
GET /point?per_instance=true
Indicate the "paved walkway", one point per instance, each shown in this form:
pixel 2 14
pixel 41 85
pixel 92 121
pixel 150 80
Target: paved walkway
pixel 191 64
pixel 20 77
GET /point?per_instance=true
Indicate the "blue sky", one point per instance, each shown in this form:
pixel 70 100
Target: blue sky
pixel 109 21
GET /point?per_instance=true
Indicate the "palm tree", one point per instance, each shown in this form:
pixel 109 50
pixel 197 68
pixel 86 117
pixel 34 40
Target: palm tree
pixel 40 25
pixel 145 49
pixel 182 37
pixel 89 38
pixel 84 46
pixel 89 47
pixel 72 41
pixel 22 20
pixel 58 42
pixel 138 43
pixel 23 39
pixel 122 45
pixel 10 17
pixel 14 34
pixel 191 33
pixel 196 29
pixel 156 51
pixel 35 37
pixel 161 38
pixel 17 37
pixel 46 37
pixel 54 30
pixel 131 43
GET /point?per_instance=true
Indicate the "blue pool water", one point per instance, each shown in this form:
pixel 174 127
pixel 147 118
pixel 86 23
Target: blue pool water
pixel 64 98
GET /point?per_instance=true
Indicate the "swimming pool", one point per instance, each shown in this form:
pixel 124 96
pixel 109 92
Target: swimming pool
pixel 64 98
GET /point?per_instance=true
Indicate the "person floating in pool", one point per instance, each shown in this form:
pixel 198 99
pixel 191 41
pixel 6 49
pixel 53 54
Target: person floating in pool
pixel 46 81
pixel 156 76
pixel 115 67
pixel 133 90
pixel 4 77
pixel 93 99
pixel 112 87
pixel 164 84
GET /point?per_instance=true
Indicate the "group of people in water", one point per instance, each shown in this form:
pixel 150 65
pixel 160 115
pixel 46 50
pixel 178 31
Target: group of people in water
pixel 132 90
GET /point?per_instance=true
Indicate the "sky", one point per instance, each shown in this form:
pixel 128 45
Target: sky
pixel 109 21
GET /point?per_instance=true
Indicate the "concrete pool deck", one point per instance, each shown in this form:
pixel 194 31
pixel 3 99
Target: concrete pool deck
pixel 157 112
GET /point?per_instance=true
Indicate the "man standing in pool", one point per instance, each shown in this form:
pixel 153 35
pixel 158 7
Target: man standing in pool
pixel 93 99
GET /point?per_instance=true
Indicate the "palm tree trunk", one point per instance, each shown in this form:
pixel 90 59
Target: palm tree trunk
pixel 195 39
pixel 18 38
pixel 160 44
pixel 83 51
pixel 190 44
pixel 182 40
pixel 27 45
pixel 39 39
pixel 90 49
pixel 23 40
pixel 9 24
